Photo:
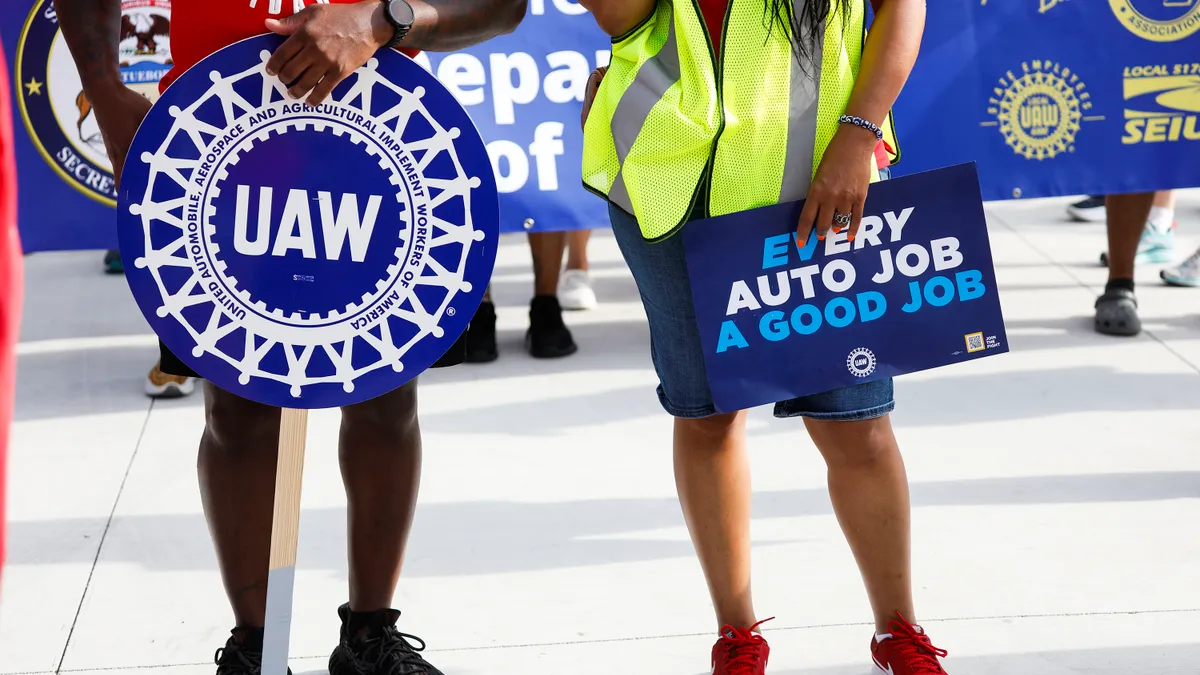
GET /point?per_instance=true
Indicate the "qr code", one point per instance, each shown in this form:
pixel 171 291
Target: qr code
pixel 974 343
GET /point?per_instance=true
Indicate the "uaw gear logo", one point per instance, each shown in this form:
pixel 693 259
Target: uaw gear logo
pixel 303 256
pixel 1039 110
pixel 58 115
pixel 861 362
pixel 1162 103
pixel 1158 20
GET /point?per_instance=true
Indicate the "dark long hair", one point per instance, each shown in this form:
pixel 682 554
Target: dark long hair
pixel 801 24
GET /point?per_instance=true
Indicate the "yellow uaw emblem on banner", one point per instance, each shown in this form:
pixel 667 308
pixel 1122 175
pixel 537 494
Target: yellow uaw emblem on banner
pixel 1040 111
pixel 1162 104
pixel 1158 20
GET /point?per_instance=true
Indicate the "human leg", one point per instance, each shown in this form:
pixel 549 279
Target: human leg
pixel 236 466
pixel 577 251
pixel 1116 309
pixel 574 285
pixel 712 478
pixel 1165 199
pixel 869 491
pixel 1187 272
pixel 548 337
pixel 547 250
pixel 1156 236
pixel 481 334
pixel 379 449
pixel 849 426
pixel 712 472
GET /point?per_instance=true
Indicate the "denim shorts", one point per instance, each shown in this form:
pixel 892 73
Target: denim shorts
pixel 660 271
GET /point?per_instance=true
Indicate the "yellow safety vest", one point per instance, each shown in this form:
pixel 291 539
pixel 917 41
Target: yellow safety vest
pixel 674 134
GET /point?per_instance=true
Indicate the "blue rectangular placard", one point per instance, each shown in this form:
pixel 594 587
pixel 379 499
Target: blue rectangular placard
pixel 915 290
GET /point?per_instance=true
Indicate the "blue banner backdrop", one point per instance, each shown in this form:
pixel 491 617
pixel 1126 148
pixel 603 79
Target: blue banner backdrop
pixel 1049 97
pixel 915 290
pixel 1057 97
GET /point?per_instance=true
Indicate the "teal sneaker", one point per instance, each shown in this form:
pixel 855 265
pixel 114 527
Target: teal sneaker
pixel 1186 273
pixel 1155 247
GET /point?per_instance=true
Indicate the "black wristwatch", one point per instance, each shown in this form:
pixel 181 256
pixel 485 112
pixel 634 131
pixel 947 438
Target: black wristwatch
pixel 400 14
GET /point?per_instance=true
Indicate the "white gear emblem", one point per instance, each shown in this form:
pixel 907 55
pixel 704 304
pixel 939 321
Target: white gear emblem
pixel 861 362
pixel 361 325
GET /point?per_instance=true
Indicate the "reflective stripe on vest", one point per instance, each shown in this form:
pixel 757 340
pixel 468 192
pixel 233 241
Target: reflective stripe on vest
pixel 644 89
pixel 650 140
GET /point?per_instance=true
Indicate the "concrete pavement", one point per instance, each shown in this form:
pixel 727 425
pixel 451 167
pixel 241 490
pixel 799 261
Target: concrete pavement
pixel 1056 495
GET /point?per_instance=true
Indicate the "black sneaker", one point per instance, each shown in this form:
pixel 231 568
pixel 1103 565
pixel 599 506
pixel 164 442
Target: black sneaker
pixel 1117 313
pixel 371 645
pixel 481 335
pixel 548 337
pixel 242 653
pixel 112 262
pixel 1090 210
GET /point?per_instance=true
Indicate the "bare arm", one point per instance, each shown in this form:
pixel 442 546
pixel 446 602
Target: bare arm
pixel 617 17
pixel 92 29
pixel 449 25
pixel 328 42
pixel 888 58
pixel 840 184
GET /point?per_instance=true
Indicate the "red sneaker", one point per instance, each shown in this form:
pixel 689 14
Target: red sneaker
pixel 740 651
pixel 906 650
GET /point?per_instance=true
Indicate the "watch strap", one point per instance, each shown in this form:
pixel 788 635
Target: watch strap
pixel 401 30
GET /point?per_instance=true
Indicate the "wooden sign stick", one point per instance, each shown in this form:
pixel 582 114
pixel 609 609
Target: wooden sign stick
pixel 285 531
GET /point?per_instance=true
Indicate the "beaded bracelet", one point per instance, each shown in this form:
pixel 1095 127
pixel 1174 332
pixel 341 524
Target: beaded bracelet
pixel 860 122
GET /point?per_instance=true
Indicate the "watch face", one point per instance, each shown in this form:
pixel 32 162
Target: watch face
pixel 402 12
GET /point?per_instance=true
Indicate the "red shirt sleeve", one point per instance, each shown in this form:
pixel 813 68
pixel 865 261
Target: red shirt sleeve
pixel 198 30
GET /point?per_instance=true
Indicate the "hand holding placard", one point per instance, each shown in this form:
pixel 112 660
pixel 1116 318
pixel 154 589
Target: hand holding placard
pixel 915 290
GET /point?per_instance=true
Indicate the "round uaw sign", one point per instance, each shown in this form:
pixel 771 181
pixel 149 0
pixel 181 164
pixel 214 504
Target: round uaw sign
pixel 307 257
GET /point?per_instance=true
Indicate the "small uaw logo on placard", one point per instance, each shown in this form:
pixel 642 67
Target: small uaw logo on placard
pixel 308 257
pixel 861 362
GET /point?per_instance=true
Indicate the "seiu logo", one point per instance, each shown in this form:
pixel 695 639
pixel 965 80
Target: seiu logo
pixel 348 226
pixel 1161 103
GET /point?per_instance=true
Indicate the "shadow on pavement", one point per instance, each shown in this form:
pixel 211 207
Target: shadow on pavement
pixel 50 387
pixel 948 400
pixel 492 537
pixel 1177 659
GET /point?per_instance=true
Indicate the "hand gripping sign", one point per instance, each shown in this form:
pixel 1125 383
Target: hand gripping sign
pixel 915 290
pixel 306 257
